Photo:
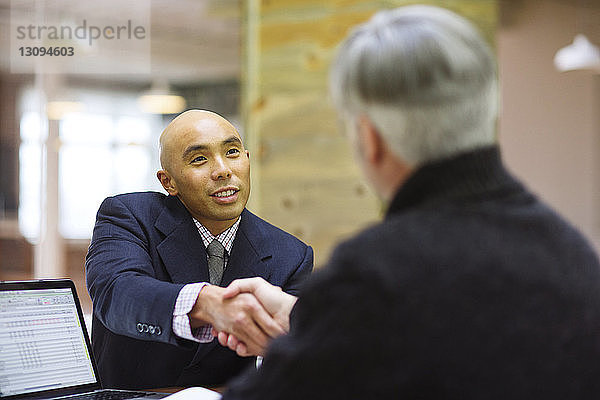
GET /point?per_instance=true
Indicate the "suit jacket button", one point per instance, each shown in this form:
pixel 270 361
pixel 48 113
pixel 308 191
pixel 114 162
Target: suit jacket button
pixel 157 330
pixel 145 328
pixel 139 327
pixel 151 328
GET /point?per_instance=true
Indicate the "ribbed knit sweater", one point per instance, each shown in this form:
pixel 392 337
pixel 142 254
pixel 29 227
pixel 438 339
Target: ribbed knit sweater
pixel 471 288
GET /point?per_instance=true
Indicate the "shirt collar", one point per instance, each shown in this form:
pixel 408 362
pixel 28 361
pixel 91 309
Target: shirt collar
pixel 226 237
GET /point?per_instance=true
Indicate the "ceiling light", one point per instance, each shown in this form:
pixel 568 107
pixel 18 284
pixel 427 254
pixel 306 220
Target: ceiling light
pixel 160 100
pixel 580 55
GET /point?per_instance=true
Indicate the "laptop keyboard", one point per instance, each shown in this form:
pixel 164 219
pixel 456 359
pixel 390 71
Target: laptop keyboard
pixel 108 395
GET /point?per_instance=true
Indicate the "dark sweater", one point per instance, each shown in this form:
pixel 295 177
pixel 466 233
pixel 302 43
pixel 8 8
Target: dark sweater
pixel 470 289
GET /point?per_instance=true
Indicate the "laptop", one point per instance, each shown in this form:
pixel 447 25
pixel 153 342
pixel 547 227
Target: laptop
pixel 45 351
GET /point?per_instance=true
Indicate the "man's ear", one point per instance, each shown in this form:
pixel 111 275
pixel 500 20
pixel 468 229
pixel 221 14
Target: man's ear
pixel 371 140
pixel 167 182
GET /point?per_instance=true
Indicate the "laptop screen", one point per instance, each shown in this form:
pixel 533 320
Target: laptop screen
pixel 43 345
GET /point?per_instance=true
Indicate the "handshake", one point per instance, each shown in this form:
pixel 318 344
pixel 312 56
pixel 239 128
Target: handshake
pixel 245 316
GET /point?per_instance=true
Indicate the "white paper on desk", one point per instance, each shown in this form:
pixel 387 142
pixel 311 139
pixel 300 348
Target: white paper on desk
pixel 195 393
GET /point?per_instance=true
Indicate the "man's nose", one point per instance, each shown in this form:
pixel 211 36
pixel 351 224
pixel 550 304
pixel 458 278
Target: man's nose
pixel 221 170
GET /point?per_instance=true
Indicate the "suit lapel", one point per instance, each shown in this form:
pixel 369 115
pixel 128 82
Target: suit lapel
pixel 244 261
pixel 182 251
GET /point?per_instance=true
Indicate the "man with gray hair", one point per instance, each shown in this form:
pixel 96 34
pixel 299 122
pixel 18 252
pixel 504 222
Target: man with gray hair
pixel 471 288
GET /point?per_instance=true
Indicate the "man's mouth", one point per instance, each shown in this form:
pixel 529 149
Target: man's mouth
pixel 225 193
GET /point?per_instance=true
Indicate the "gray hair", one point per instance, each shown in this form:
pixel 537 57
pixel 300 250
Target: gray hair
pixel 425 78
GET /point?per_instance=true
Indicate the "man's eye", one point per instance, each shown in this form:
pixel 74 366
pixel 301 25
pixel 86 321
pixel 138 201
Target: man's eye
pixel 199 159
pixel 232 151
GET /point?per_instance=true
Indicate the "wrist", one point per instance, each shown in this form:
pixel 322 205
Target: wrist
pixel 291 301
pixel 201 314
pixel 287 306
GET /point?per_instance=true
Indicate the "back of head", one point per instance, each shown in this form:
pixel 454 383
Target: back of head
pixel 426 79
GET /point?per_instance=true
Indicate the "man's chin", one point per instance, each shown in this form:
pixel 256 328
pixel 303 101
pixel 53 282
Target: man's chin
pixel 229 215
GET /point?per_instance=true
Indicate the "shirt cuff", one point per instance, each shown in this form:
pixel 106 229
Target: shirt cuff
pixel 181 322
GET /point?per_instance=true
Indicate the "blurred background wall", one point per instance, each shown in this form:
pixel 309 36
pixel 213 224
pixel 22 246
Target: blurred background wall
pixel 307 179
pixel 263 64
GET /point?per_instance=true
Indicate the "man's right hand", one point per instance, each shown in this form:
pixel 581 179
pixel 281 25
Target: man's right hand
pixel 240 314
pixel 275 301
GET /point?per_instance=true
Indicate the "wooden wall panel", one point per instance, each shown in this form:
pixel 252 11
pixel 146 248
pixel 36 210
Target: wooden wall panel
pixel 303 173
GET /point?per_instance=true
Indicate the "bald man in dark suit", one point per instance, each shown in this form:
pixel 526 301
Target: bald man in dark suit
pixel 154 296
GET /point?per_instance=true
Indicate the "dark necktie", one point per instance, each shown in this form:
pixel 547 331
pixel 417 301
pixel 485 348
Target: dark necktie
pixel 216 261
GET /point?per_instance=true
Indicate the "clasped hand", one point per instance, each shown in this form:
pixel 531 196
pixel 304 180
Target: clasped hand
pixel 245 316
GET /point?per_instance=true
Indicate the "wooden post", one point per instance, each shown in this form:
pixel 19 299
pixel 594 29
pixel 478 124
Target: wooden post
pixel 304 176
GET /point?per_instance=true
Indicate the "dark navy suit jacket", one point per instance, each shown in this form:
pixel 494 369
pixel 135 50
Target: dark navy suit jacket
pixel 144 249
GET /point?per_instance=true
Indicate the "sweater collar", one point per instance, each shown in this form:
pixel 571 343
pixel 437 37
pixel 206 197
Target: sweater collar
pixel 465 175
